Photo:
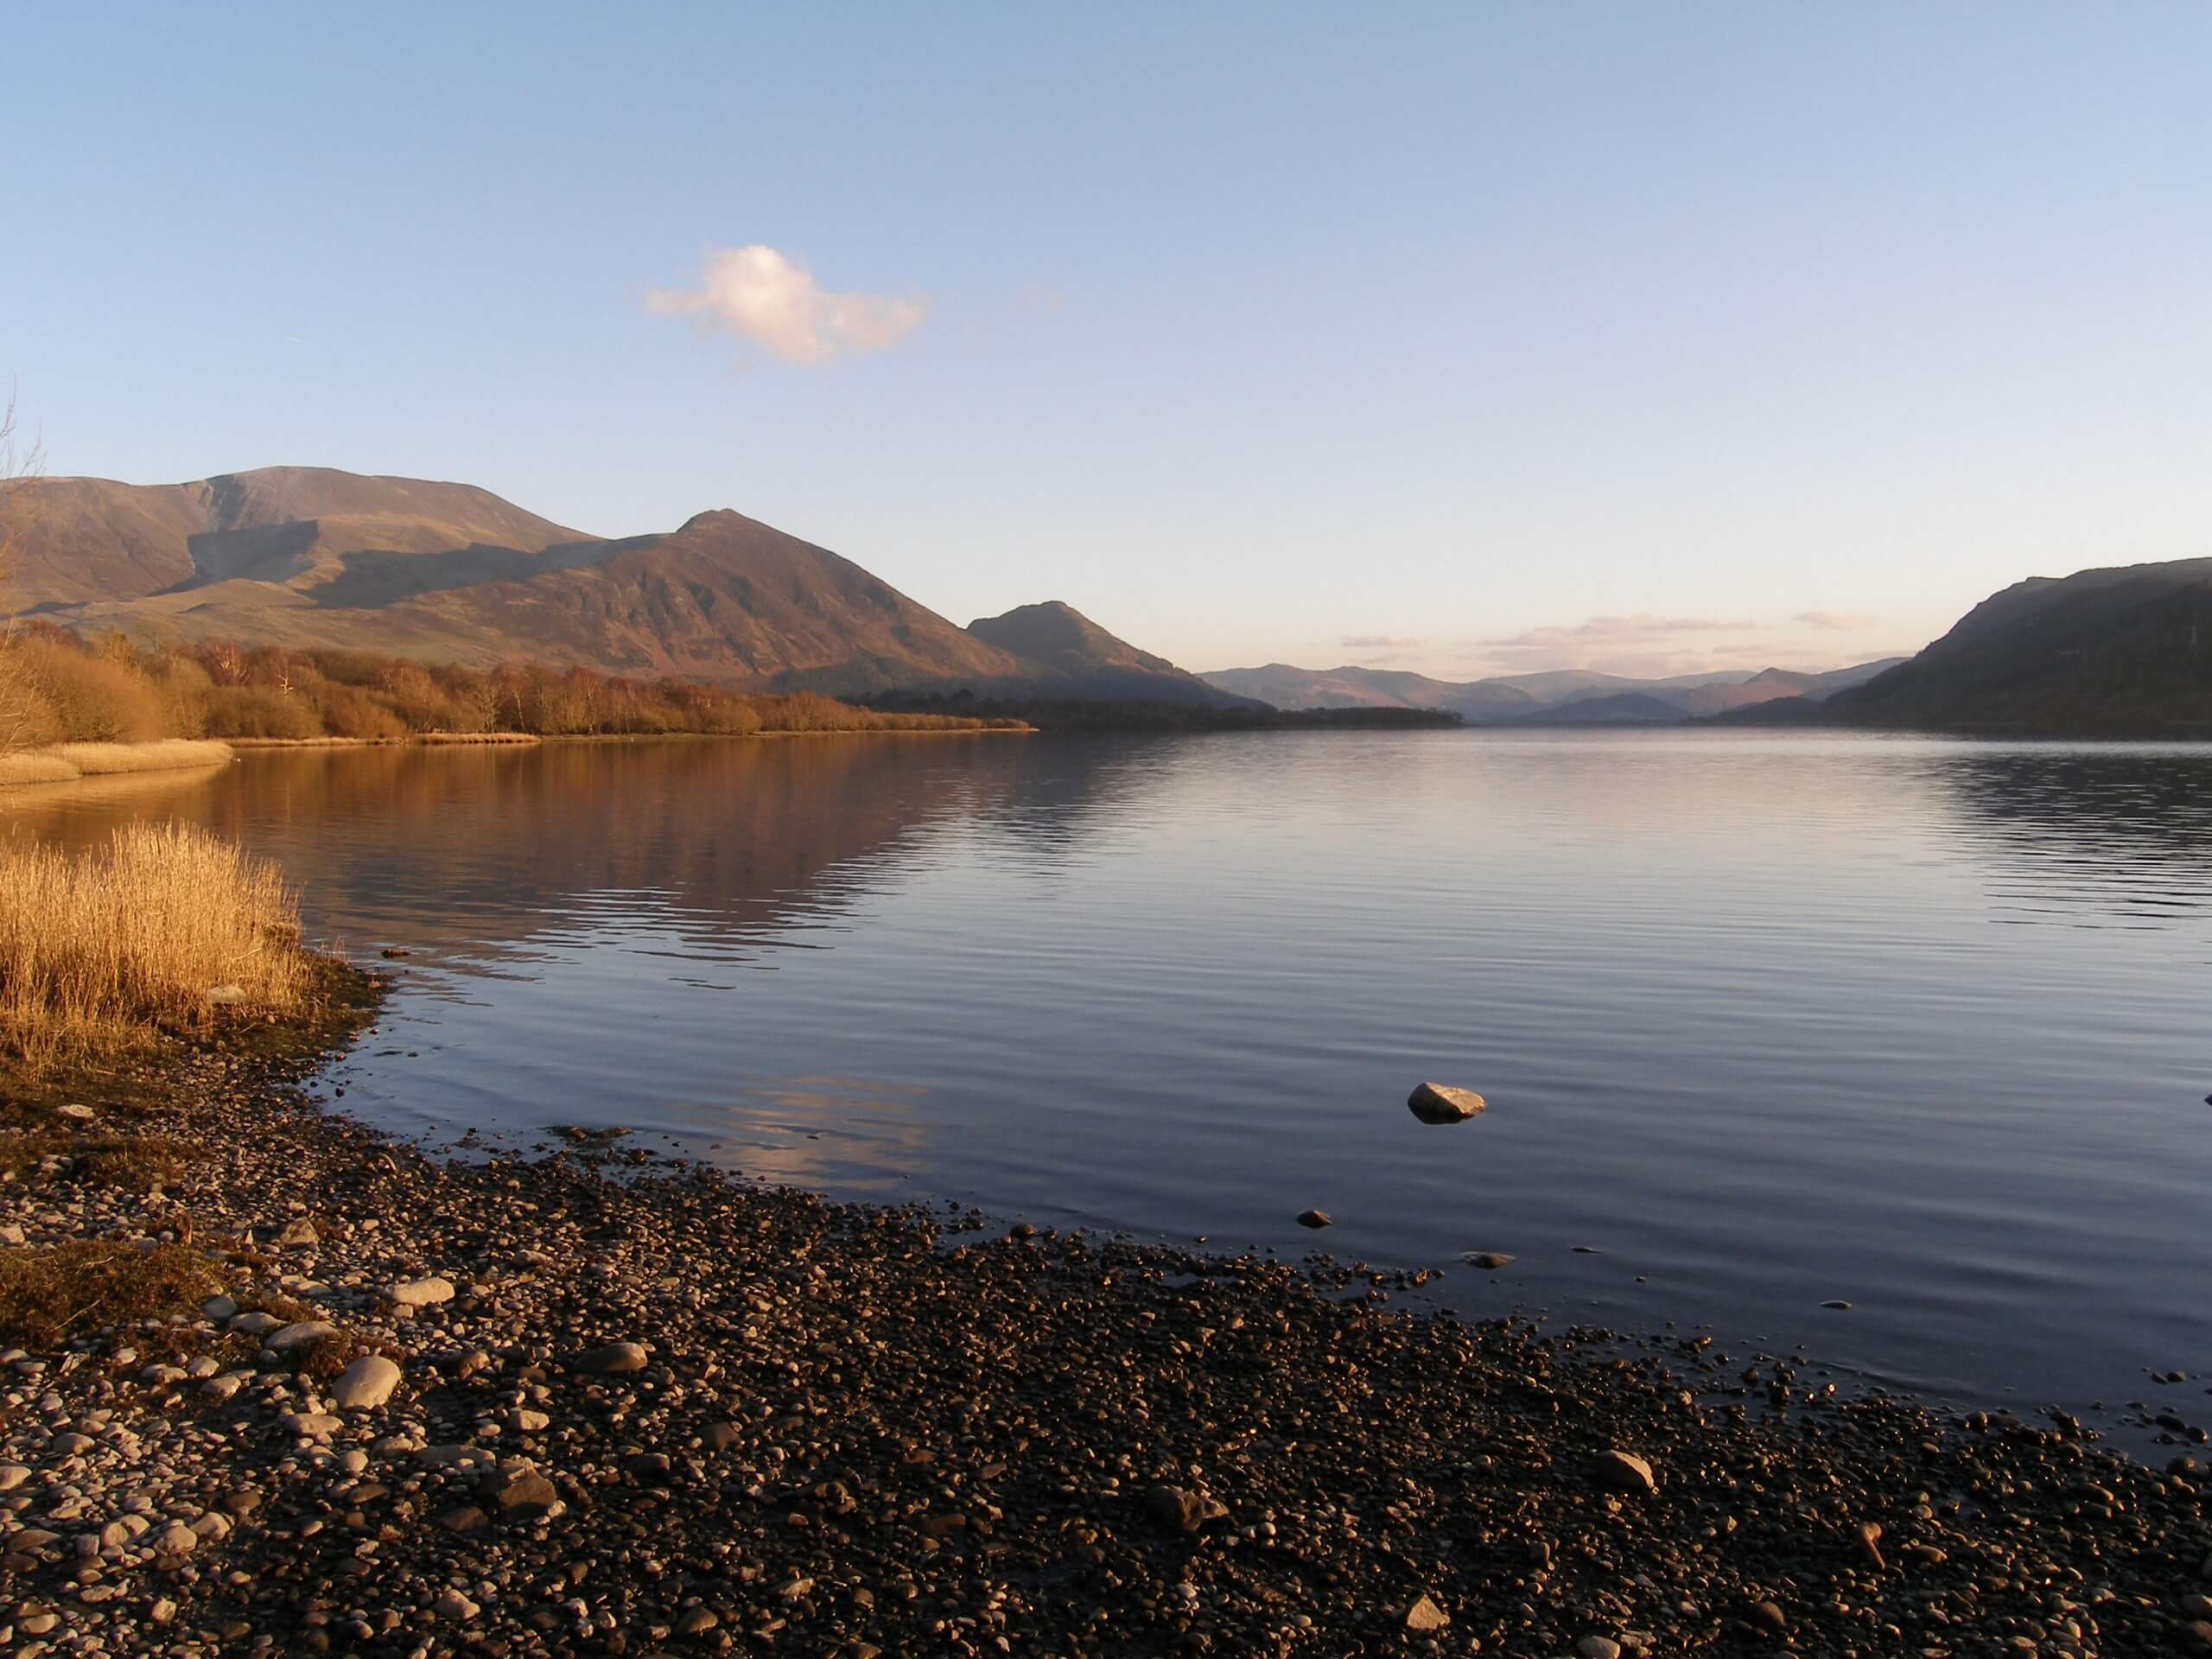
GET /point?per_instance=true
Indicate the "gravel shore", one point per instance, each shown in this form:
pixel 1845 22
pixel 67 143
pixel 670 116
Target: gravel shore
pixel 583 1403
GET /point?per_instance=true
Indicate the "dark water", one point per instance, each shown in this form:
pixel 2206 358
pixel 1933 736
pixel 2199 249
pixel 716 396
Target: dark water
pixel 1918 1025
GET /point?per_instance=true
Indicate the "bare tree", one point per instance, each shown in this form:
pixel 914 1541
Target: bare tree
pixel 21 463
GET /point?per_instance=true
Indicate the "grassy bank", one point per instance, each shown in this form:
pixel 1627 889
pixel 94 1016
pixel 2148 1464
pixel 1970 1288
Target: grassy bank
pixel 167 926
pixel 62 763
pixel 57 689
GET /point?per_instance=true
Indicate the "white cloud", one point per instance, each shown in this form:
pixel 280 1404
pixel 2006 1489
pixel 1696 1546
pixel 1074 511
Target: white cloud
pixel 773 301
pixel 1835 621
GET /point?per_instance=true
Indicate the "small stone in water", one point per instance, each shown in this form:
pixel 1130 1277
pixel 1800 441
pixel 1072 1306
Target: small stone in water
pixel 1440 1102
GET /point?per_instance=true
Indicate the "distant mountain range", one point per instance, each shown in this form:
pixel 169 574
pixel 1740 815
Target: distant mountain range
pixel 308 555
pixel 1569 696
pixel 304 556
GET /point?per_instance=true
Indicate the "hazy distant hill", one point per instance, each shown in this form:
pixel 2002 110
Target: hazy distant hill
pixel 1286 687
pixel 1612 708
pixel 2123 651
pixel 1549 696
pixel 1771 684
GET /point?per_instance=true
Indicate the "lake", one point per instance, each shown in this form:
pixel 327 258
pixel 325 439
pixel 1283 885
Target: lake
pixel 1764 1022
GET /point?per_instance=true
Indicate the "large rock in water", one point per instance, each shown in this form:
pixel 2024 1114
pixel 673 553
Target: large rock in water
pixel 1440 1102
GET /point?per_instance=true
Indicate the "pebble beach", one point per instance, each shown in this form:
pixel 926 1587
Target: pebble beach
pixel 578 1401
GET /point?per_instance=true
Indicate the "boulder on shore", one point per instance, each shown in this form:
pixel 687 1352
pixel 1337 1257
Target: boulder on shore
pixel 1440 1102
pixel 612 1359
pixel 1622 1471
pixel 365 1384
pixel 1178 1508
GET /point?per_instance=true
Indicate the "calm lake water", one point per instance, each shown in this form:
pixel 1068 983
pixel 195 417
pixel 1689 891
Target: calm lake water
pixel 1764 1022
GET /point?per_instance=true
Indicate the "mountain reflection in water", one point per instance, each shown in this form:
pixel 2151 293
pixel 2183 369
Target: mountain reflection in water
pixel 1766 1021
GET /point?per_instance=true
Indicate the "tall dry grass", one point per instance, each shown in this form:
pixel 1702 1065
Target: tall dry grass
pixel 98 948
pixel 100 760
pixel 60 763
pixel 36 767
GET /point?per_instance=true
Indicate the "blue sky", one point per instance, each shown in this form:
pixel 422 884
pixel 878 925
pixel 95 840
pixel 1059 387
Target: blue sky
pixel 1463 338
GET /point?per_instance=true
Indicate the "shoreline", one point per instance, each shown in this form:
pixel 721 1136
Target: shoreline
pixel 37 768
pixel 526 739
pixel 878 1429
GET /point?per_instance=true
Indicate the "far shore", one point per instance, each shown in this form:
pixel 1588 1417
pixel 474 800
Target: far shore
pixel 465 740
pixel 70 763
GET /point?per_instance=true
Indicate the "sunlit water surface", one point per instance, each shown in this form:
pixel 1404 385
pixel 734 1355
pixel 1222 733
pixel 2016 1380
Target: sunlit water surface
pixel 1763 1022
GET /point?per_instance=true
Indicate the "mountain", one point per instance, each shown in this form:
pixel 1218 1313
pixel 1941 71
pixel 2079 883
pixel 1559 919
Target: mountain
pixel 1549 696
pixel 303 555
pixel 1082 661
pixel 725 597
pixel 2123 651
pixel 95 539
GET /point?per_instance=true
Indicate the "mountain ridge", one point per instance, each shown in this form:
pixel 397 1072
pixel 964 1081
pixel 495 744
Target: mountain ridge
pixel 1548 696
pixel 440 571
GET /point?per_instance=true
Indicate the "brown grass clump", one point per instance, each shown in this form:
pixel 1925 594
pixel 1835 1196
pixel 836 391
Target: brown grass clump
pixel 98 949
pixel 278 1306
pixel 136 1163
pixel 49 1293
pixel 326 1357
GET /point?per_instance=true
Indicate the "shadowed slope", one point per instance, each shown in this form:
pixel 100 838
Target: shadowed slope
pixel 1068 655
pixel 2124 650
pixel 725 597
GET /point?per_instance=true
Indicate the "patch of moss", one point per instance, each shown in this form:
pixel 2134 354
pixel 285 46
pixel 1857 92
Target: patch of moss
pixel 277 1306
pixel 339 1000
pixel 591 1144
pixel 50 1292
pixel 136 1163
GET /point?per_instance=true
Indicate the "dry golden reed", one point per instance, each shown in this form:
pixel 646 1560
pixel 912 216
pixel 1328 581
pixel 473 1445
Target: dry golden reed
pixel 36 767
pixel 100 760
pixel 62 763
pixel 166 926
